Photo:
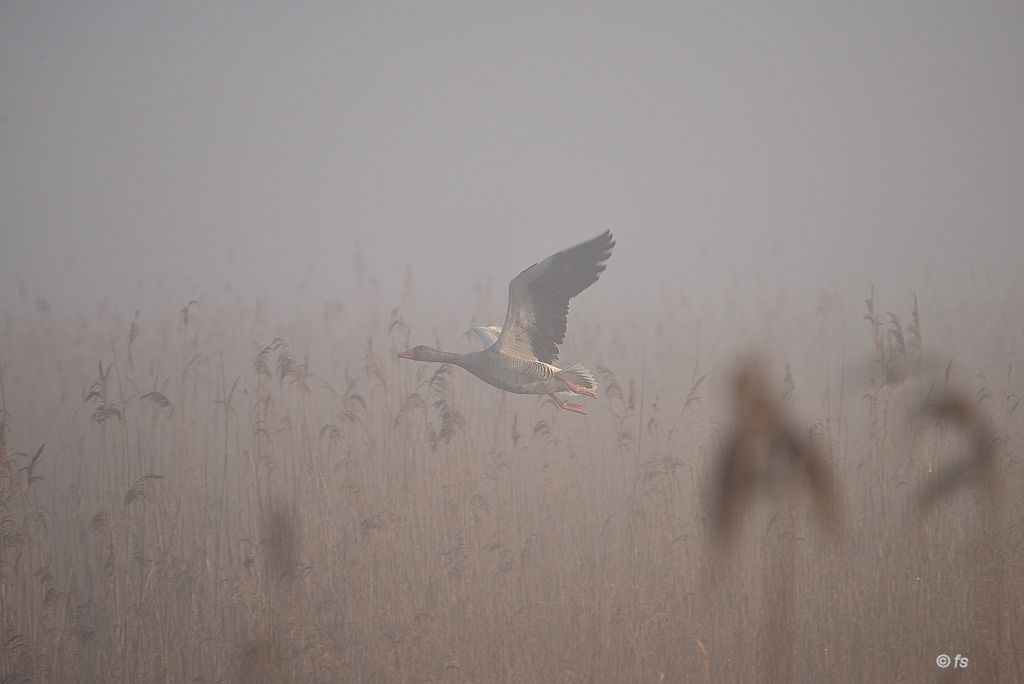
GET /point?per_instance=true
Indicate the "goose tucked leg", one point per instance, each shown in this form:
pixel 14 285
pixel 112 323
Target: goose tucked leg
pixel 568 406
pixel 576 387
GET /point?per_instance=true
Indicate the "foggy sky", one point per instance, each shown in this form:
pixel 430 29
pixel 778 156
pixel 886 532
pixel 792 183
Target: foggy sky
pixel 160 145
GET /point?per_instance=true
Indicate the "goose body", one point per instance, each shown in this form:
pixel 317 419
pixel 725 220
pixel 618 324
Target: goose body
pixel 489 335
pixel 520 356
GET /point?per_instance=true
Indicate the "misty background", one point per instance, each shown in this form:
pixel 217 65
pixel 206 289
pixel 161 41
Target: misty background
pixel 157 152
pixel 222 222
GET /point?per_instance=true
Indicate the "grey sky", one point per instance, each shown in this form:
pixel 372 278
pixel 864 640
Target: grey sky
pixel 794 146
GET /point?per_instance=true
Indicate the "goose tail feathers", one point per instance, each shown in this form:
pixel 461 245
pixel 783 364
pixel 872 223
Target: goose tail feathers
pixel 580 375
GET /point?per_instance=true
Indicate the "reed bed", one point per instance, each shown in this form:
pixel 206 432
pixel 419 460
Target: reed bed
pixel 219 493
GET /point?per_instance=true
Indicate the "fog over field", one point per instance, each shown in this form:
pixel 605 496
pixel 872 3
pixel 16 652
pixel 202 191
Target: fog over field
pixel 221 224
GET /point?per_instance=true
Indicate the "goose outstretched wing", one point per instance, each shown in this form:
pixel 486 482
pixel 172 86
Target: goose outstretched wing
pixel 538 298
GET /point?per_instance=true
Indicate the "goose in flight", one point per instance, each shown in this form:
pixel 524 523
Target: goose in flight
pixel 522 357
pixel 488 334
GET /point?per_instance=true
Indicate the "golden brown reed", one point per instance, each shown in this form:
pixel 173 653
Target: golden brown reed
pixel 211 509
pixel 978 467
pixel 765 454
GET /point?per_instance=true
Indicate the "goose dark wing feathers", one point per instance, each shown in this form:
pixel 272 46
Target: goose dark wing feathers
pixel 538 298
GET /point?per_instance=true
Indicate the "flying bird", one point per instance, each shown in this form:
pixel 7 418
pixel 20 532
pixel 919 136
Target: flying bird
pixel 522 356
pixel 488 334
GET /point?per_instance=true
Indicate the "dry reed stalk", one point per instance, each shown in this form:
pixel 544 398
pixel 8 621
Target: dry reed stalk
pixel 518 547
pixel 762 451
pixel 978 467
pixel 764 455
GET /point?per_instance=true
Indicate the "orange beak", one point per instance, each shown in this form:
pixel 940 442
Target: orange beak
pixel 407 355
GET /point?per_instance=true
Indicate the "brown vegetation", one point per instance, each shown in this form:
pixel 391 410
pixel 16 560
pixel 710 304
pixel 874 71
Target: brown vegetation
pixel 305 509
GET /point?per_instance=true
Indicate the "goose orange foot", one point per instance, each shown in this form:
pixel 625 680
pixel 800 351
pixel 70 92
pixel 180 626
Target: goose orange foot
pixel 568 405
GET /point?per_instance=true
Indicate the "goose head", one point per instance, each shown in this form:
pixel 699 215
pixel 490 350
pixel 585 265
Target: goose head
pixel 423 353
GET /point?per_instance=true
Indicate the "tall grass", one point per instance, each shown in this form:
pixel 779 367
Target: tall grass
pixel 179 502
